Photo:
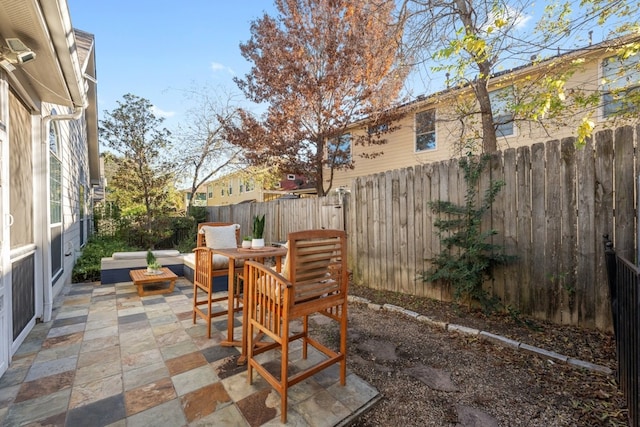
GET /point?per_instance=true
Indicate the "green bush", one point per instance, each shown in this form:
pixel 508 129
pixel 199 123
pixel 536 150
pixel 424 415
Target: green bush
pixel 87 268
pixel 468 256
pixel 186 245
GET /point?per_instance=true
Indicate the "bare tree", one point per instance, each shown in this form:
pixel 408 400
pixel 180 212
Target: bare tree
pixel 320 66
pixel 203 148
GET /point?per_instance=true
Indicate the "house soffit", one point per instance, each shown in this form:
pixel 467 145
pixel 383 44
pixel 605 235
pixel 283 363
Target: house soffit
pixel 49 77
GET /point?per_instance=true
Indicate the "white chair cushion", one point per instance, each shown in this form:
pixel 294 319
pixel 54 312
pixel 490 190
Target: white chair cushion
pixel 220 262
pixel 220 237
pixel 285 262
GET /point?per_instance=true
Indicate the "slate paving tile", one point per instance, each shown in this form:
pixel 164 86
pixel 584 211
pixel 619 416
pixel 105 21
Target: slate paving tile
pixel 100 413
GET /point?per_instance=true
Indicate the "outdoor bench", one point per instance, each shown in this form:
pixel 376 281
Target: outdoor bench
pixel 116 268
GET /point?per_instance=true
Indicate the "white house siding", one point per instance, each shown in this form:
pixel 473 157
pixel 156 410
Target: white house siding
pixel 75 172
pixel 28 94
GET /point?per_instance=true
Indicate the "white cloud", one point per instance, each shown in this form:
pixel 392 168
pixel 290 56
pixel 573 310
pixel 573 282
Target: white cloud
pixel 215 66
pixel 160 113
pixel 517 18
pixel 522 20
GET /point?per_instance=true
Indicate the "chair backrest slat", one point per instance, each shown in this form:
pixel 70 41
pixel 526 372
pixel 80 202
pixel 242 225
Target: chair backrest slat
pixel 316 262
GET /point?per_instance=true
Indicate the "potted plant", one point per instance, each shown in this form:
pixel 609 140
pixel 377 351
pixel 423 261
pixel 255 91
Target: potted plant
pixel 258 232
pixel 246 242
pixel 153 266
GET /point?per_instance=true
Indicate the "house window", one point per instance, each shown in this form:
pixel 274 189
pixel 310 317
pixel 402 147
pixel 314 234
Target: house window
pixel 230 189
pixel 249 185
pixel 378 129
pixel 210 190
pixel 82 208
pixel 55 198
pixel 501 102
pixel 426 130
pixel 339 150
pixel 621 83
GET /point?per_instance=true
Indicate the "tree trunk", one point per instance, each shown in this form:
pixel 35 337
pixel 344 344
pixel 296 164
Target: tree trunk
pixel 489 140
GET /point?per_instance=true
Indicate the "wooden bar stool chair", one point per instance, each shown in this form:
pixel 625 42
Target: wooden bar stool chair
pixel 213 235
pixel 314 280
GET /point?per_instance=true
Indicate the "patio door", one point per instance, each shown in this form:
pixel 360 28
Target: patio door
pixel 23 254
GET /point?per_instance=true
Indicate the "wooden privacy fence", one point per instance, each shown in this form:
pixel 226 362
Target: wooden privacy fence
pixel 282 216
pixel 557 203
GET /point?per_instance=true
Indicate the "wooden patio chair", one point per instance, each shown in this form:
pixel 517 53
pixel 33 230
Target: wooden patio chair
pixel 314 280
pixel 212 235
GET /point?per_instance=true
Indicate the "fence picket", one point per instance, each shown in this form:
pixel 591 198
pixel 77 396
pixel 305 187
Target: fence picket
pixel 553 231
pixel 603 216
pixel 568 220
pixel 625 189
pixel 586 239
pixel 510 206
pixel 538 225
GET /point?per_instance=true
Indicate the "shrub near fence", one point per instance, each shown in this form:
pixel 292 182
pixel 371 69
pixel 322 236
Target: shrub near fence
pixel 557 204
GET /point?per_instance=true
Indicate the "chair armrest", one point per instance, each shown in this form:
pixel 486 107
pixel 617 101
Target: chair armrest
pixel 265 283
pixel 201 249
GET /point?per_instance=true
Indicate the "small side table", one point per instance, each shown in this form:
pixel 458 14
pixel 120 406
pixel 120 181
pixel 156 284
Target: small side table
pixel 141 278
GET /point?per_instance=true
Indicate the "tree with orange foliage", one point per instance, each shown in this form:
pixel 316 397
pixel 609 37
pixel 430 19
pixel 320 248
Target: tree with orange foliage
pixel 320 66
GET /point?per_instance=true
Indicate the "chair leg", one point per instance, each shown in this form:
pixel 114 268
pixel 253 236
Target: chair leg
pixel 284 373
pixel 305 330
pixel 249 339
pixel 195 301
pixel 209 317
pixel 343 344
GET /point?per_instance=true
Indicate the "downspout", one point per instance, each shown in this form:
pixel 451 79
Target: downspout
pixel 46 257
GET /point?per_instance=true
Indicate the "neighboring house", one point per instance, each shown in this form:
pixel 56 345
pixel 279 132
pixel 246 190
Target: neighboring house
pixel 229 190
pixel 431 129
pixel 244 187
pixel 50 159
pixel 296 184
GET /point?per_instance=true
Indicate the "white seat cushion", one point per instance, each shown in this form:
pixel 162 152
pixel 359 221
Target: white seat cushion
pixel 221 261
pixel 143 254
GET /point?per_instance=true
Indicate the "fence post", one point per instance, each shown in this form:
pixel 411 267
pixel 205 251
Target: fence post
pixel 610 260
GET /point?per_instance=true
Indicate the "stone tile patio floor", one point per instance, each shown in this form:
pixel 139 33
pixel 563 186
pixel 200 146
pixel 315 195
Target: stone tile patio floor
pixel 112 358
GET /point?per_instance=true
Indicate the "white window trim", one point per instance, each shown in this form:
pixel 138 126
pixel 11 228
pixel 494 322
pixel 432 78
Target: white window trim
pixel 600 110
pixel 435 131
pixel 513 122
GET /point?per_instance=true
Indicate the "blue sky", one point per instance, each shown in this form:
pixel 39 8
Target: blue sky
pixel 158 49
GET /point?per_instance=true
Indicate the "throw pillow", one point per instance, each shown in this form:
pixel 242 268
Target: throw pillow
pixel 220 237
